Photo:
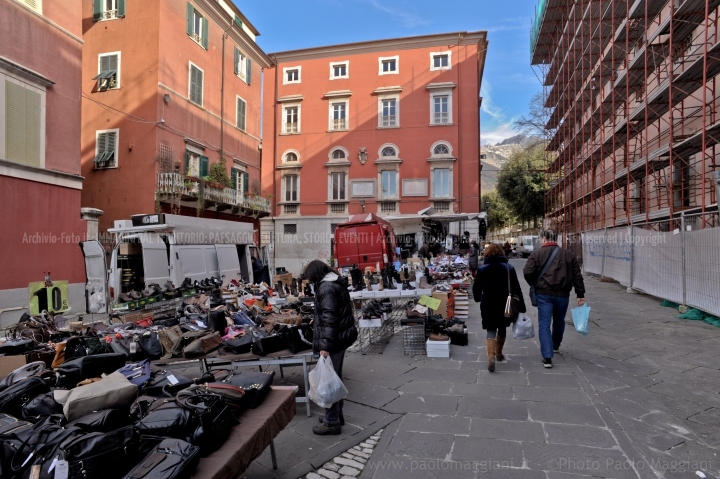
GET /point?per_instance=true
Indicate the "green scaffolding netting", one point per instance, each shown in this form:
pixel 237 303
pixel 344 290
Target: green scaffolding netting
pixel 669 304
pixel 697 315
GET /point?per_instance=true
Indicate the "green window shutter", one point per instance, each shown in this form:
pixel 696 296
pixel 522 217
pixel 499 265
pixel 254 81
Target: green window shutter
pixel 110 141
pixel 32 127
pixel 205 33
pixel 241 107
pixel 97 10
pixel 101 140
pixel 248 72
pixel 238 22
pixel 234 172
pixel 14 122
pixel 204 166
pixel 237 60
pixel 246 181
pixel 121 8
pixel 187 162
pixel 190 13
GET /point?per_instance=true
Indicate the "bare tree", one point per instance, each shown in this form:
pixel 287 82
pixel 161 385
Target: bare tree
pixel 535 123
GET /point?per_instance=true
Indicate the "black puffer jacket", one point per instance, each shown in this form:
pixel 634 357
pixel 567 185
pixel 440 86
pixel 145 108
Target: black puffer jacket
pixel 491 291
pixel 334 324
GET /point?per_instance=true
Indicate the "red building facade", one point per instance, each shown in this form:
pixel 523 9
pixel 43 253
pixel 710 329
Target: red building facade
pixel 389 127
pixel 40 181
pixel 170 88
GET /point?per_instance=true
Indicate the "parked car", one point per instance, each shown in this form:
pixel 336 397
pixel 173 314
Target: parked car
pixel 526 245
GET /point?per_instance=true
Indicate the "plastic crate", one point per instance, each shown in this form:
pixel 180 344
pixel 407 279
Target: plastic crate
pixel 413 336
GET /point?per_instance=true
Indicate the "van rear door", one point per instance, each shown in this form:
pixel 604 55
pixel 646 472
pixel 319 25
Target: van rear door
pixel 96 298
pixel 155 262
pixel 228 263
pixel 346 249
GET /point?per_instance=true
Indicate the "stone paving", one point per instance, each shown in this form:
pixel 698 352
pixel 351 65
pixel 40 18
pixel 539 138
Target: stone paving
pixel 637 398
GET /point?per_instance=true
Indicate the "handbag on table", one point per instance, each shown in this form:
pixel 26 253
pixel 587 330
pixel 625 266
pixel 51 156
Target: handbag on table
pixel 269 344
pixel 40 406
pixel 15 396
pixel 103 421
pixel 15 347
pixel 202 345
pixel 170 459
pixel 165 383
pixel 255 385
pixel 72 372
pixel 112 392
pixel 31 369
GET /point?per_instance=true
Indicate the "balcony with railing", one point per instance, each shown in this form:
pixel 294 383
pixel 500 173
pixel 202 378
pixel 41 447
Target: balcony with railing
pixel 339 124
pixel 389 120
pixel 291 127
pixel 177 189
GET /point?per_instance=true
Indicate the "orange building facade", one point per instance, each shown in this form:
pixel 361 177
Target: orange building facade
pixel 171 88
pixel 40 181
pixel 389 127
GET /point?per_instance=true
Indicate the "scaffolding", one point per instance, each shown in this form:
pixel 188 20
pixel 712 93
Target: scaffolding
pixel 632 90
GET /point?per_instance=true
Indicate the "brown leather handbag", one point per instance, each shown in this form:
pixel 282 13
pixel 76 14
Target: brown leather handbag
pixel 184 340
pixel 168 337
pixel 59 355
pixel 202 346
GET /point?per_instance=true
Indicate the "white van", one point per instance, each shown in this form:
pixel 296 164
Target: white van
pixel 161 247
pixel 526 245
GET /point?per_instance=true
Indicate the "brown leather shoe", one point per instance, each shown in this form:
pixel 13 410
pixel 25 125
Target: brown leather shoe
pixel 325 430
pixel 438 337
pixel 490 343
pixel 500 342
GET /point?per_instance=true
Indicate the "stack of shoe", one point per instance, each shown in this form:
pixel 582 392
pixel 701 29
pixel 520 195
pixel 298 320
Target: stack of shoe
pixel 373 309
pixel 457 331
pixel 462 305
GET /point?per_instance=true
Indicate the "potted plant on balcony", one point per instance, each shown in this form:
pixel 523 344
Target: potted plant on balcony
pixel 217 176
pixel 257 203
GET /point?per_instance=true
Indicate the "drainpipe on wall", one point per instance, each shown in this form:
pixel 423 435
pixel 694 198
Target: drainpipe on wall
pixel 459 102
pixel 91 215
pixel 222 96
pixel 275 137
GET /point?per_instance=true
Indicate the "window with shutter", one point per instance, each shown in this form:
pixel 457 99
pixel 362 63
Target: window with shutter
pixel 241 108
pixel 197 26
pixel 204 166
pixel 34 4
pixel 195 92
pixel 106 149
pixel 108 76
pixel 23 124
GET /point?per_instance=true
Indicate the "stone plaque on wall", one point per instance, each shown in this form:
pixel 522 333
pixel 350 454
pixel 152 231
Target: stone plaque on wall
pixel 415 187
pixel 364 188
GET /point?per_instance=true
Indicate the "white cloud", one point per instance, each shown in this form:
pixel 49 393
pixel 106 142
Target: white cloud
pixel 407 17
pixel 509 24
pixel 487 104
pixel 497 134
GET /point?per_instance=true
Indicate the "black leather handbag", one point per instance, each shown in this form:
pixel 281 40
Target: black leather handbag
pixel 13 433
pixel 269 344
pixel 299 338
pixel 150 344
pixel 21 373
pixel 256 386
pixel 217 321
pixel 171 459
pixel 40 406
pixel 103 421
pixel 16 396
pixel 14 347
pixel 165 383
pixel 72 372
pixel 213 418
pixel 167 418
pixel 239 344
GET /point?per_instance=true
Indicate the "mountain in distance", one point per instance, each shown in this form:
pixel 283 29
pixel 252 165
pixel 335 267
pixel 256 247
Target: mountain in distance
pixel 497 155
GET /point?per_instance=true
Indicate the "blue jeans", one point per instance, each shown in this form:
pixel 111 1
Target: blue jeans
pixel 333 413
pixel 551 310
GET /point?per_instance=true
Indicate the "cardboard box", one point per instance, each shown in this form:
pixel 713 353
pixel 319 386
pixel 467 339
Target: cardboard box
pixel 446 309
pixel 285 278
pixel 130 249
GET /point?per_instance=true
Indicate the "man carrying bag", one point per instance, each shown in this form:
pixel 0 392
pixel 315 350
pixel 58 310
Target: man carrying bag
pixel 551 272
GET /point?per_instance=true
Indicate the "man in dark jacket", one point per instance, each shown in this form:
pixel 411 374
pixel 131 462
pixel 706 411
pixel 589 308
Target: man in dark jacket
pixel 553 291
pixel 334 331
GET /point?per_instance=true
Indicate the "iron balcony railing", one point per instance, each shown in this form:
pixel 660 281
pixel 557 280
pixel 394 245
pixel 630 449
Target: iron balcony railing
pixel 175 183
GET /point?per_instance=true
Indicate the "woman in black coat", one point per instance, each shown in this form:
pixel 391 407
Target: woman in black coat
pixel 491 291
pixel 334 330
pixel 473 258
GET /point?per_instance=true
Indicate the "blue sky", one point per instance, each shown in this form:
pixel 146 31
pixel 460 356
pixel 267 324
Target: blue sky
pixel 508 83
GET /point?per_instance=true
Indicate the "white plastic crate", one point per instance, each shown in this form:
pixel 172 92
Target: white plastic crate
pixel 438 349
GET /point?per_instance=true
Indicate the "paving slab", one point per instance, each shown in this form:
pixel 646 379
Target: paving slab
pixel 581 414
pixel 423 403
pixel 498 391
pixel 422 445
pixel 581 435
pixel 507 430
pixel 506 454
pixel 555 395
pixel 436 424
pixel 490 408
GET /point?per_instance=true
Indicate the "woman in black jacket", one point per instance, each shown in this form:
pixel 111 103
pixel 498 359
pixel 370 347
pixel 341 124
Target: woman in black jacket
pixel 491 291
pixel 334 330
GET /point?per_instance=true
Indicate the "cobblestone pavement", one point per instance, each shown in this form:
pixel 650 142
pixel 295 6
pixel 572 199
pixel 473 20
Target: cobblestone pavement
pixel 637 398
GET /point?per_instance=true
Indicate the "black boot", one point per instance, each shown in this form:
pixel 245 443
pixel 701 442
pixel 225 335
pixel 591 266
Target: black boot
pixel 280 289
pixel 357 279
pixel 293 287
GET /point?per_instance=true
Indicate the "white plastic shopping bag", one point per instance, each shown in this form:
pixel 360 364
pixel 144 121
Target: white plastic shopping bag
pixel 523 327
pixel 581 319
pixel 326 387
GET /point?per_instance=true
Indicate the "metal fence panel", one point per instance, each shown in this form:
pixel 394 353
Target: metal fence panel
pixel 593 250
pixel 618 255
pixel 702 269
pixel 658 264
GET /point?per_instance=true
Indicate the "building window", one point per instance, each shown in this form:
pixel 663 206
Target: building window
pixel 291 119
pixel 290 209
pixel 333 227
pixel 290 229
pixel 241 110
pixel 338 154
pixel 290 184
pixel 240 180
pixel 102 9
pixel 36 5
pixel 441 150
pixel 291 158
pixel 108 76
pixel 338 185
pixel 339 70
pixel 388 65
pixel 388 184
pixel 389 152
pixel 243 66
pixel 441 206
pixel 388 207
pixel 338 208
pixel 441 60
pixel 291 75
pixel 195 90
pixel 196 165
pixel 338 116
pixel 389 112
pixel 441 107
pixel 441 183
pixel 106 148
pixel 197 26
pixel 23 137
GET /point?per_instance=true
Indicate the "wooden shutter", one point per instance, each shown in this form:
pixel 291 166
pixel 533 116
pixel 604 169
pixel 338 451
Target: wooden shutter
pixel 205 32
pixel 187 162
pixel 14 121
pixel 241 107
pixel 121 8
pixel 97 10
pixel 189 20
pixel 32 127
pixel 101 141
pixel 234 172
pixel 204 166
pixel 237 60
pixel 110 143
pixel 248 70
pixel 246 182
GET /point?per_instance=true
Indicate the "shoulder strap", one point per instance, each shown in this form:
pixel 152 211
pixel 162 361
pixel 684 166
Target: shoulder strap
pixel 547 265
